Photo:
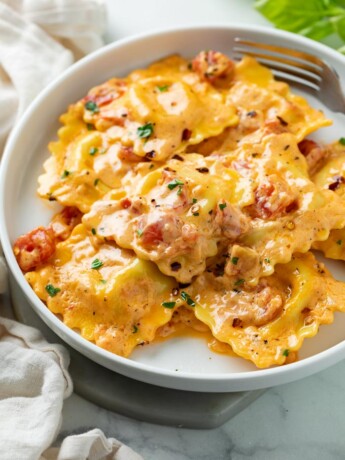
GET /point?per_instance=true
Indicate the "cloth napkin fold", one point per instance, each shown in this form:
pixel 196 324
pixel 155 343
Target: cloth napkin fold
pixel 34 377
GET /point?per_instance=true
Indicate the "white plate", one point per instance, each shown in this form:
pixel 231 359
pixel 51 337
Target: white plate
pixel 183 363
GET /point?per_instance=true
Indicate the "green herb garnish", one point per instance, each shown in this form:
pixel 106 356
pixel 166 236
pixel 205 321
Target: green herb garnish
pixel 96 264
pixel 179 191
pixel 222 206
pixel 187 298
pixel 92 107
pixel 234 260
pixel 65 174
pixel 174 183
pixel 93 151
pixel 196 214
pixel 286 352
pixel 145 130
pixel 135 329
pixel 168 304
pixel 194 200
pixel 267 261
pixel 103 281
pixel 52 291
pixel 342 141
pixel 89 126
pixel 163 88
pixel 96 182
pixel 93 231
pixel 340 242
pixel 239 282
pixel 139 232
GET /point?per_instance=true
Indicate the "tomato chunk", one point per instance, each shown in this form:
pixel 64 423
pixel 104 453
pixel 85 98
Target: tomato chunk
pixel 212 66
pixel 34 248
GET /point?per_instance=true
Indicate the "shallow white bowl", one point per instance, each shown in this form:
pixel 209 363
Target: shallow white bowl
pixel 180 363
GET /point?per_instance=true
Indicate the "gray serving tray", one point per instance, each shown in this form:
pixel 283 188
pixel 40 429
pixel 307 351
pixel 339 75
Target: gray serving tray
pixel 130 397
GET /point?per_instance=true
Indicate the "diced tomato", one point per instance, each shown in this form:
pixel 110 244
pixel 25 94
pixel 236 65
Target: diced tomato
pixel 152 234
pixel 212 65
pixel 273 198
pixel 127 154
pixel 34 248
pixel 64 222
pixel 306 146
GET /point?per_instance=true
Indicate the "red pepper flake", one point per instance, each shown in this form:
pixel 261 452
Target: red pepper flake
pixel 237 322
pixel 126 203
pixel 282 121
pixel 203 170
pixel 150 155
pixel 177 157
pixel 186 134
pixel 175 266
pixel 338 180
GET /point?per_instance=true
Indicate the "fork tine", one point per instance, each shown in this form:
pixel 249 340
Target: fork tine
pixel 296 81
pixel 291 77
pixel 282 60
pixel 297 72
pixel 285 51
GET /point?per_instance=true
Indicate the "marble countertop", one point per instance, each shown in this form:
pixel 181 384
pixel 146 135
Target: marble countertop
pixel 304 419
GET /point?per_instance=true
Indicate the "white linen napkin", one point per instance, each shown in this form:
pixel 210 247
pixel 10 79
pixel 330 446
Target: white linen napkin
pixel 34 379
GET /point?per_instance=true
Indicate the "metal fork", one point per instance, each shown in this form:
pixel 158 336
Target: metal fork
pixel 304 70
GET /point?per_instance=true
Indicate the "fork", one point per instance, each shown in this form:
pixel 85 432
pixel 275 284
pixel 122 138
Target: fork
pixel 304 70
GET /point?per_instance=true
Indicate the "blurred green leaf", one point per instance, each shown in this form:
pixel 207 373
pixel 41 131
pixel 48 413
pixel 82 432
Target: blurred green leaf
pixel 315 19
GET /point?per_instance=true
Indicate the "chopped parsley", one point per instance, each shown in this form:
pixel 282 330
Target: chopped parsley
pixel 151 166
pixel 103 281
pixel 174 183
pixel 196 214
pixel 145 130
pixel 194 200
pixel 163 88
pixel 96 264
pixel 168 304
pixel 342 141
pixel 187 298
pixel 135 329
pixel 267 261
pixel 179 191
pixel 96 182
pixel 222 206
pixel 340 242
pixel 139 232
pixel 65 174
pixel 93 151
pixel 286 352
pixel 93 231
pixel 239 282
pixel 89 126
pixel 52 291
pixel 234 260
pixel 92 107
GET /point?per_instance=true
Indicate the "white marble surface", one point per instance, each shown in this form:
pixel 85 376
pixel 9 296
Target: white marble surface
pixel 301 420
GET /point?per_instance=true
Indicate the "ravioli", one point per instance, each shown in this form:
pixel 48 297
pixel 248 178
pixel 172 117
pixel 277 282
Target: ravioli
pixel 268 323
pixel 178 215
pixel 331 176
pixel 265 106
pixel 289 214
pixel 113 298
pixel 162 109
